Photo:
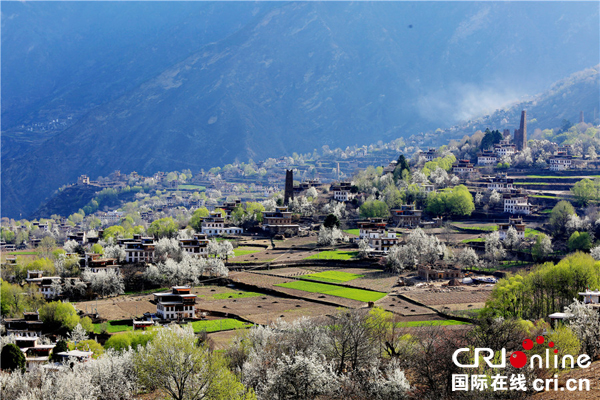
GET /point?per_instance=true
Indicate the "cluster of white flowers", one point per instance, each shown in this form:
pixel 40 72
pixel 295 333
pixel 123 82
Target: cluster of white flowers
pixel 306 359
pixel 420 249
pixel 110 377
pixel 336 208
pixel 188 270
pixel 329 236
pixel 494 251
pixel 105 283
pixel 585 322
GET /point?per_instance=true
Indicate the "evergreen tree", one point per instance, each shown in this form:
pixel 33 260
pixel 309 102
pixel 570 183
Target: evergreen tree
pixel 12 358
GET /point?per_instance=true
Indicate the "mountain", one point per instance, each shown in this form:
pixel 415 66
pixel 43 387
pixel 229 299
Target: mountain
pixel 563 101
pixel 282 78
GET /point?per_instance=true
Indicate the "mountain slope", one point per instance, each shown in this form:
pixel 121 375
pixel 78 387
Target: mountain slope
pixel 300 76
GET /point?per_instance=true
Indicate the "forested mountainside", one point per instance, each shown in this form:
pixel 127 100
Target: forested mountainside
pixel 272 79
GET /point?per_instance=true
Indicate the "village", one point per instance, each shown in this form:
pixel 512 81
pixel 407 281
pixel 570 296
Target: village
pixel 427 238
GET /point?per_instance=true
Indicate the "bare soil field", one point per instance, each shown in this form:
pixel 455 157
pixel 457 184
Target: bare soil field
pixel 444 299
pixel 268 282
pixel 286 272
pixel 122 307
pixel 404 308
pixel 267 309
pixel 592 374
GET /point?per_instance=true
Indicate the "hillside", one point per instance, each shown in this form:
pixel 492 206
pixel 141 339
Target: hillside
pixel 564 100
pixel 296 77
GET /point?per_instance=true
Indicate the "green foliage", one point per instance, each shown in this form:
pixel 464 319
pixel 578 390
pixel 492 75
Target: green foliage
pixel 12 358
pixel 568 343
pixel 490 139
pixel 545 290
pixel 579 241
pixel 122 341
pixel 86 323
pixel 174 363
pixel 402 170
pixel 58 314
pixel 374 209
pixel 61 346
pixel 458 201
pixel 114 232
pixel 164 227
pixel 560 216
pixel 15 299
pixel 7 235
pixel 97 249
pixel 331 221
pixel 90 345
pixel 347 293
pixel 42 264
pixel 586 190
pixel 196 220
pixel 256 209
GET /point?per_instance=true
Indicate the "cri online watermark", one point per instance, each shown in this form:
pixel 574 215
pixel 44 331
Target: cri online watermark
pixel 518 359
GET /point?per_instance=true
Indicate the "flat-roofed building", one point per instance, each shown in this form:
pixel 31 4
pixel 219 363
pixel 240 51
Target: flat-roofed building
pixel 45 283
pixel 517 204
pixel 406 216
pixel 561 162
pixel 500 183
pixel 196 246
pixel 178 304
pixel 374 232
pixel 516 223
pixel 342 191
pixel 487 157
pixel 28 326
pixel 279 221
pixel 463 167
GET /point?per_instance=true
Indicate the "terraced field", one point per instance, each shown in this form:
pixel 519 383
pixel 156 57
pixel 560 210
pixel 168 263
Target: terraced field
pixel 331 276
pixel 338 291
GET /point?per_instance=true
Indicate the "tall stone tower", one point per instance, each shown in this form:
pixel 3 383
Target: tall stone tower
pixel 521 134
pixel 289 186
pixel 581 121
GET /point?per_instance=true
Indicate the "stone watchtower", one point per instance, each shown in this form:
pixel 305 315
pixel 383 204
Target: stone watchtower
pixel 521 133
pixel 289 186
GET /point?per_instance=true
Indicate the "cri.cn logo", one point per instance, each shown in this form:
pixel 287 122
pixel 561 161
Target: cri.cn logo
pixel 518 359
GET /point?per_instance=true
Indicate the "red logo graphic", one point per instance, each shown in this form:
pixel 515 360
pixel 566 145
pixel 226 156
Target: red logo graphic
pixel 518 359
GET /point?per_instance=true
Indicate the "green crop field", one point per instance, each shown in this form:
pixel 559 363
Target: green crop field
pixel 218 325
pixel 532 183
pixel 331 276
pixel 115 326
pixel 347 293
pixel 233 295
pixel 333 255
pixel 242 251
pixel 353 231
pixel 489 228
pixel 530 232
pixel 560 177
pixel 477 240
pixel 191 187
pixel 446 322
pixel 539 196
pixel 23 253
